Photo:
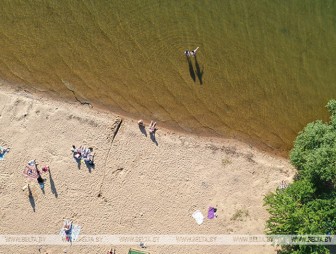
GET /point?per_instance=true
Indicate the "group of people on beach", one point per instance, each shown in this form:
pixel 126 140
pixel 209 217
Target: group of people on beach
pixel 31 171
pixel 83 153
pixel 152 126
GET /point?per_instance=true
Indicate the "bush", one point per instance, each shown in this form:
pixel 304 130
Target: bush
pixel 308 205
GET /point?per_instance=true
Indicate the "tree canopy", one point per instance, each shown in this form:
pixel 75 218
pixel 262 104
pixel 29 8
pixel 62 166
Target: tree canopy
pixel 308 205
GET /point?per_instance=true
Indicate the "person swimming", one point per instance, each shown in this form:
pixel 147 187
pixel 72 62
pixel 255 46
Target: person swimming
pixel 193 52
pixel 187 53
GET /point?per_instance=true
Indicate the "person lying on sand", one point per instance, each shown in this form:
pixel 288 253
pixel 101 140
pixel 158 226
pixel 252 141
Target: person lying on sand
pixel 67 227
pixel 4 150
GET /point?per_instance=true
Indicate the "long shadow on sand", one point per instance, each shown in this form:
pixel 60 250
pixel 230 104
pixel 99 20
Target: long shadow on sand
pixel 143 130
pixel 79 162
pixel 89 166
pixel 52 185
pixel 31 198
pixel 153 138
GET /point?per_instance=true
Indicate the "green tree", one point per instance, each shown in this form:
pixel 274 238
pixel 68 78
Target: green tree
pixel 308 205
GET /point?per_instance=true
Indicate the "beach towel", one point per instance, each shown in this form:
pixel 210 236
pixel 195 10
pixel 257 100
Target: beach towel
pixel 72 234
pixel 75 232
pixel 2 154
pixel 30 172
pixel 198 216
pixel 211 212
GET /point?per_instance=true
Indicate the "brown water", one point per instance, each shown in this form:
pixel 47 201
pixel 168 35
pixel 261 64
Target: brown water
pixel 264 68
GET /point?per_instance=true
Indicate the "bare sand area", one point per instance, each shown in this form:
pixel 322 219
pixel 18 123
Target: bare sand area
pixel 138 185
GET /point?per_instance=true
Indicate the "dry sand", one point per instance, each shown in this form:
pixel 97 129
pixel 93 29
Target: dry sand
pixel 144 187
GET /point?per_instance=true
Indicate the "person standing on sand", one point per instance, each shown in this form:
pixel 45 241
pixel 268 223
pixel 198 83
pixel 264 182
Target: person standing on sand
pixel 152 127
pixel 40 180
pixel 140 122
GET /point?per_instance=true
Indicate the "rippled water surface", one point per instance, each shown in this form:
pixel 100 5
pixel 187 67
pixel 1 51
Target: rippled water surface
pixel 263 70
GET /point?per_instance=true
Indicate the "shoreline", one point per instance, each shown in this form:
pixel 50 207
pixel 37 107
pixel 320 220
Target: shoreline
pixel 138 186
pixel 242 138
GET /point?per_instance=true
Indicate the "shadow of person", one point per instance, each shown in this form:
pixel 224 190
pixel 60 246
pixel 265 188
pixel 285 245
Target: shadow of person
pixel 143 129
pixel 52 185
pixel 31 198
pixel 90 166
pixel 199 72
pixel 78 161
pixel 152 137
pixel 191 69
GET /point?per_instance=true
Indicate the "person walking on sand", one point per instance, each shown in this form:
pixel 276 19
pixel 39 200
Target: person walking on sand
pixel 193 52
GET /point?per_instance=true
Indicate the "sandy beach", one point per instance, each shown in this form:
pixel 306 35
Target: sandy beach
pixel 138 186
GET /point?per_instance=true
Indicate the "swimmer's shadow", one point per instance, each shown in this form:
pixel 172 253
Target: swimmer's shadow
pixel 199 72
pixel 191 69
pixel 195 72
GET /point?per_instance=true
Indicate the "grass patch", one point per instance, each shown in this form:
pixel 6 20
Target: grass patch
pixel 240 214
pixel 226 161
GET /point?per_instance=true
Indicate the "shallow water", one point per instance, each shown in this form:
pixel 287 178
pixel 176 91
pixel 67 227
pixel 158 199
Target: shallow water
pixel 263 70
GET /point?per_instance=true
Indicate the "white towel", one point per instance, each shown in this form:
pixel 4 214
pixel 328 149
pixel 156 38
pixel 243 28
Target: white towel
pixel 198 216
